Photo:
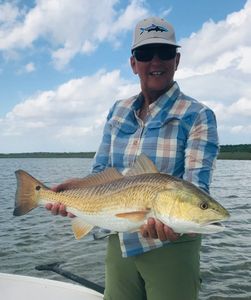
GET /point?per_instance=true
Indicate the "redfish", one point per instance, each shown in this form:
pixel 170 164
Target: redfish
pixel 123 203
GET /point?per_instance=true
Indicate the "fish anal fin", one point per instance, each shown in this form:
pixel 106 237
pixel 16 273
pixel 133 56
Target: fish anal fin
pixel 142 165
pixel 80 228
pixel 134 216
pixel 103 177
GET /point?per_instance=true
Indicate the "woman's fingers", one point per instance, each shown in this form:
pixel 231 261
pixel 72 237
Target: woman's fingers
pixel 58 209
pixel 155 229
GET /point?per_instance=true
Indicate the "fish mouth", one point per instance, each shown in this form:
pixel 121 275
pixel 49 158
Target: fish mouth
pixel 214 225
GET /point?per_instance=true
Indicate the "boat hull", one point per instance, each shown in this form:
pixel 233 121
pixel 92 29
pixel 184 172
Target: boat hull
pixel 21 287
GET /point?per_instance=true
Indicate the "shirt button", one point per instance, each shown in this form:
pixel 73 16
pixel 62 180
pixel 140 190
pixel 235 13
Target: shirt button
pixel 135 142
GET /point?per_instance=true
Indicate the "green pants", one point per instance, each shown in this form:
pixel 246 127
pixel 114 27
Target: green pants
pixel 166 273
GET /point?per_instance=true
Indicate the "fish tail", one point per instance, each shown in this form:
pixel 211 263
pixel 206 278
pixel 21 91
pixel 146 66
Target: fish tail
pixel 27 194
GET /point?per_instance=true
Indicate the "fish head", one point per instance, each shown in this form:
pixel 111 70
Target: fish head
pixel 189 209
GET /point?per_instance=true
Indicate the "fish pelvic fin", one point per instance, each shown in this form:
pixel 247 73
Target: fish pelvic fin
pixel 134 216
pixel 142 165
pixel 27 193
pixel 80 228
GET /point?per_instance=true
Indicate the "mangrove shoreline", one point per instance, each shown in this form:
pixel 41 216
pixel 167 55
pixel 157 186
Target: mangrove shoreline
pixel 235 152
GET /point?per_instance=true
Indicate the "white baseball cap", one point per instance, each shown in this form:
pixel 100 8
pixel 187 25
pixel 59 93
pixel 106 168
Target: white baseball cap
pixel 153 30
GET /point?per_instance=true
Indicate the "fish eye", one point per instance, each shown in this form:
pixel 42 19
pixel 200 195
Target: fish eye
pixel 204 205
pixel 38 187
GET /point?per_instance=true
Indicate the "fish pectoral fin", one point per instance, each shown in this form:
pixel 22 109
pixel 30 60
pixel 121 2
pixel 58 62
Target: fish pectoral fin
pixel 134 216
pixel 80 228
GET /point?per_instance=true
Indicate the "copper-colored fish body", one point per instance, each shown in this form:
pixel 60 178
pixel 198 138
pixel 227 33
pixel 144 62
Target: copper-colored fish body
pixel 123 203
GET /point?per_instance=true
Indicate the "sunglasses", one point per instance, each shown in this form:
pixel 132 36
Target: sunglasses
pixel 164 52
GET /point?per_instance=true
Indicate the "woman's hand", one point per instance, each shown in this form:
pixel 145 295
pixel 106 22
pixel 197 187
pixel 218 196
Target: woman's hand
pixel 155 229
pixel 59 208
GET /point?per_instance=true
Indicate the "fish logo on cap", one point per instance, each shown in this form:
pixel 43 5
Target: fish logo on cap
pixel 153 27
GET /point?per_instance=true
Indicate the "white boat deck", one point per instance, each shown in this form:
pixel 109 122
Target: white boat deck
pixel 20 287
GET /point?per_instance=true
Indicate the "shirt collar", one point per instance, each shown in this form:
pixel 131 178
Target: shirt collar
pixel 163 103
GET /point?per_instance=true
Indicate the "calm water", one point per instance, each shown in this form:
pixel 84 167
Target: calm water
pixel 38 238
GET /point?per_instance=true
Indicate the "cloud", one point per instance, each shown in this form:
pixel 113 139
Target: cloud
pixel 73 112
pixel 242 107
pixel 215 68
pixel 8 14
pixel 28 68
pixel 70 27
pixel 217 46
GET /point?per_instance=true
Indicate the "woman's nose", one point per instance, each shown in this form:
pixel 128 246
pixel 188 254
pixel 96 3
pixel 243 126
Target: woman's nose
pixel 156 58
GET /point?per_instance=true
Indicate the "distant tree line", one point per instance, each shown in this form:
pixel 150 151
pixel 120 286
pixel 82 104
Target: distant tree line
pixel 242 151
pixel 238 152
pixel 48 155
pixel 236 148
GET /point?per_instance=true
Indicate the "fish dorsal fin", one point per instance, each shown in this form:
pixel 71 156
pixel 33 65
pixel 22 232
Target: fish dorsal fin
pixel 103 177
pixel 142 165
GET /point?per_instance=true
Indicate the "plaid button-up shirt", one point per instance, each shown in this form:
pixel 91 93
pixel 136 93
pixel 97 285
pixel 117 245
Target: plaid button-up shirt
pixel 179 135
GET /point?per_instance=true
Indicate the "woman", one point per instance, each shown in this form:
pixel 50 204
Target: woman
pixel 179 135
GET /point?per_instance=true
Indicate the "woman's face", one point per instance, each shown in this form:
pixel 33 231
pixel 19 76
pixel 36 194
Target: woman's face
pixel 156 75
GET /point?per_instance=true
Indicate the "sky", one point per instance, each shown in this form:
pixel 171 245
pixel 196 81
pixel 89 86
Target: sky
pixel 63 63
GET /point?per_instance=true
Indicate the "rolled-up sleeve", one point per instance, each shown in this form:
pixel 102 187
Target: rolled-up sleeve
pixel 202 150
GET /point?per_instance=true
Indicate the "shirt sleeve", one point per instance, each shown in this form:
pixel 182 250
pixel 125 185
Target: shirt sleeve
pixel 202 150
pixel 102 157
